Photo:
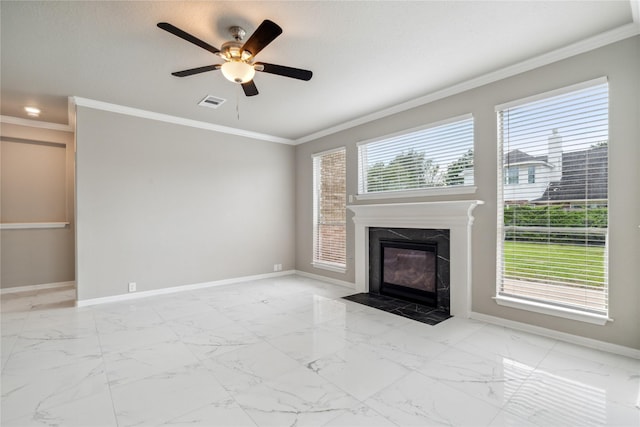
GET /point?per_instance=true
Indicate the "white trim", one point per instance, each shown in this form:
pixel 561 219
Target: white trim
pixel 403 132
pixel 31 225
pixel 424 192
pixel 329 267
pixel 332 150
pixel 456 216
pixel 551 93
pixel 331 280
pixel 316 190
pixel 35 124
pixel 71 113
pixel 151 115
pixel 173 289
pixel 635 10
pixel 586 45
pixel 552 310
pixel 545 305
pixel 561 336
pixel 31 288
pixel 410 137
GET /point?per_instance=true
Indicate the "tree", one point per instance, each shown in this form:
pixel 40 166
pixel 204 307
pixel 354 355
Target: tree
pixel 455 169
pixel 600 144
pixel 408 170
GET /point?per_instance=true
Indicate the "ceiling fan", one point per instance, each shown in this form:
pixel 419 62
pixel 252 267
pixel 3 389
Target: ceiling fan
pixel 239 66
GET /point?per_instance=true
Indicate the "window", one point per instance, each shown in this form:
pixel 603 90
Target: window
pixel 552 251
pixel 513 175
pixel 531 175
pixel 436 156
pixel 329 210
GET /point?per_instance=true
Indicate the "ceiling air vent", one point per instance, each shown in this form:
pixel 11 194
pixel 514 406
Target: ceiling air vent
pixel 212 101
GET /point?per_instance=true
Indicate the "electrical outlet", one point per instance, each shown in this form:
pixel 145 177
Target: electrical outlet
pixel 277 267
pixel 132 286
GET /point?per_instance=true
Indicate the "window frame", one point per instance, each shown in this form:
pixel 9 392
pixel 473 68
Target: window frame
pixel 538 305
pixel 458 189
pixel 316 262
pixel 531 174
pixel 513 175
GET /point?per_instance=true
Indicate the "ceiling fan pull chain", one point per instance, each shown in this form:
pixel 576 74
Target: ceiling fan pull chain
pixel 238 103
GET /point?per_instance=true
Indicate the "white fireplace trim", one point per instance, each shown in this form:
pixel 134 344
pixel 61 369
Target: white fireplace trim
pixel 455 216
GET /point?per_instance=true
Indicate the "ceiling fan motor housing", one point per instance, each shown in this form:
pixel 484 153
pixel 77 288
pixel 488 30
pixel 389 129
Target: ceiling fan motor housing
pixel 237 33
pixel 232 51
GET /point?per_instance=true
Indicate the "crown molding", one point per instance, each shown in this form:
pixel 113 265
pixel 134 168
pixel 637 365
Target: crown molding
pixel 586 45
pixel 71 112
pixel 151 115
pixel 35 123
pixel 635 10
pixel 603 39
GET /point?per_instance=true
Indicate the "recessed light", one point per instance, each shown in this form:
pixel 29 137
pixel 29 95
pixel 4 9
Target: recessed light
pixel 32 111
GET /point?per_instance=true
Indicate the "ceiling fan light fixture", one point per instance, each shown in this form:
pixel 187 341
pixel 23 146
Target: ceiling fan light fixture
pixel 238 71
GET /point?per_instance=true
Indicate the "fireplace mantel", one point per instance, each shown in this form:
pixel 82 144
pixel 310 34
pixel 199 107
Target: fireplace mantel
pixel 454 215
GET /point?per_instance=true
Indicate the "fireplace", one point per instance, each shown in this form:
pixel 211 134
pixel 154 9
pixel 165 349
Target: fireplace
pixel 453 216
pixel 410 264
pixel 409 271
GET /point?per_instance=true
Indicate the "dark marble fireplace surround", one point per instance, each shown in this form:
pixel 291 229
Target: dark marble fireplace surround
pixel 414 235
pixel 421 313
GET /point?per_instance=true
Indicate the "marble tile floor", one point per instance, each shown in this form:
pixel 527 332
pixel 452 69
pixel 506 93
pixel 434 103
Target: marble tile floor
pixel 289 351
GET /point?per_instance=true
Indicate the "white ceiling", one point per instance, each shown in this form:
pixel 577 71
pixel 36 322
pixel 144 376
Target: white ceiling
pixel 366 56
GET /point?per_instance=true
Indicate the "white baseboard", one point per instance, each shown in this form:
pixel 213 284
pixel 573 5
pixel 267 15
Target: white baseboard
pixel 561 336
pixel 40 287
pixel 326 279
pixel 173 289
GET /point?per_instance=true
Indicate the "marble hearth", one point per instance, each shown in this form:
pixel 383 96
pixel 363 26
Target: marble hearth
pixel 455 216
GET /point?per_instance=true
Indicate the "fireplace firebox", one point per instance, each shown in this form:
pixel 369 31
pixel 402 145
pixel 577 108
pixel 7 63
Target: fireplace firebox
pixel 409 271
pixel 427 246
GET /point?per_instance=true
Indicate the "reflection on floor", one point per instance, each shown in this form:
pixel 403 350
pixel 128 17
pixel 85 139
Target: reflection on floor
pixel 291 351
pixel 410 310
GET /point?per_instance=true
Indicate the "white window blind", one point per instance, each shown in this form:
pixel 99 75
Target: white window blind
pixel 329 207
pixel 440 155
pixel 552 230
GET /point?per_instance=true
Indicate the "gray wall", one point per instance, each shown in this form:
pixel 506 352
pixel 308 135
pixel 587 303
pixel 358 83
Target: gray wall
pixel 37 186
pixel 620 62
pixel 165 205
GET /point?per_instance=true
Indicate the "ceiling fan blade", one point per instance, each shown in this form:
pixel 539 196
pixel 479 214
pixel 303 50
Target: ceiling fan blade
pixel 262 36
pixel 188 37
pixel 281 70
pixel 250 88
pixel 192 71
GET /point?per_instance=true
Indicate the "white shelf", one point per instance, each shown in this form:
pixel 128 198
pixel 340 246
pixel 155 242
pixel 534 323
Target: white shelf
pixel 31 225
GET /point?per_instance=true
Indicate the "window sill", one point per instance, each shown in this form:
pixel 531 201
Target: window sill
pixel 552 310
pixel 427 192
pixel 336 268
pixel 32 225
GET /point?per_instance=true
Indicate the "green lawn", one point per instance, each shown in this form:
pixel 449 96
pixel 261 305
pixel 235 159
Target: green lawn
pixel 554 262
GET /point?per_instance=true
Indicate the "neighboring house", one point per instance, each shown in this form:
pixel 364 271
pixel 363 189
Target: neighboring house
pixel 526 177
pixel 558 177
pixel 584 177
